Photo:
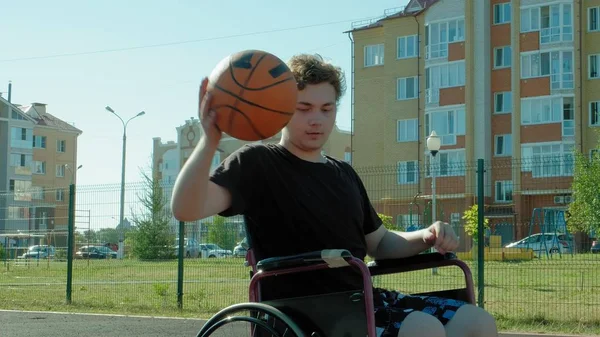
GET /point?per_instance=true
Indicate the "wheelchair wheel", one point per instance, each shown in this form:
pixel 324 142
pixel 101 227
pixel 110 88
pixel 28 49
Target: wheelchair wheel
pixel 252 320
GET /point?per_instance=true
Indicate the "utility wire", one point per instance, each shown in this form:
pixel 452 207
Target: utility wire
pixel 179 42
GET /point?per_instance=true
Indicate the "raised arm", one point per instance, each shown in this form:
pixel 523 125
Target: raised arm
pixel 194 195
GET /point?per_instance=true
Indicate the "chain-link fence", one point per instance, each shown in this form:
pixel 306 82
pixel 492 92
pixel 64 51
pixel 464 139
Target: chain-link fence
pixel 537 269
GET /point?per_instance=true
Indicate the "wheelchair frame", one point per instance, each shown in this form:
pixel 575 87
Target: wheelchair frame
pixel 339 258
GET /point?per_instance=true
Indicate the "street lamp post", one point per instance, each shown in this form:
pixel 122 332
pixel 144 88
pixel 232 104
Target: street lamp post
pixel 433 144
pixel 122 202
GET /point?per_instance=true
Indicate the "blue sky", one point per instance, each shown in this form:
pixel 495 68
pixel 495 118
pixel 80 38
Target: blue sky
pixel 163 80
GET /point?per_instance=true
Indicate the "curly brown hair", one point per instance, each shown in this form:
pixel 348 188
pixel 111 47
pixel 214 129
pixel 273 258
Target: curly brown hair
pixel 313 69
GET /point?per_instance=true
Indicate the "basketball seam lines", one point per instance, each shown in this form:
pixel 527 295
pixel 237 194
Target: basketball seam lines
pixel 243 87
pixel 252 103
pixel 261 88
pixel 244 115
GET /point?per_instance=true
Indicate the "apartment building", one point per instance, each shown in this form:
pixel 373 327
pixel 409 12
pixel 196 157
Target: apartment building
pixel 168 157
pixel 16 151
pixel 54 164
pixel 513 82
pixel 41 153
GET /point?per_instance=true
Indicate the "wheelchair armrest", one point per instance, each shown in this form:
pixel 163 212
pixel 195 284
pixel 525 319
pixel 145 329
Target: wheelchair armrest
pixel 417 262
pixel 333 257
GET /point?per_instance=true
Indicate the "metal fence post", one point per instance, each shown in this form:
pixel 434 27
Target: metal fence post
pixel 180 265
pixel 70 241
pixel 480 230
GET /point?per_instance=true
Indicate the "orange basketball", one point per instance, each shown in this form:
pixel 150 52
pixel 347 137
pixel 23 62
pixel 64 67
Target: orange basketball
pixel 253 94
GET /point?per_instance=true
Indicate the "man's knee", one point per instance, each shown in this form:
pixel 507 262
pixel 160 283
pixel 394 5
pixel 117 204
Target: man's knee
pixel 421 324
pixel 474 321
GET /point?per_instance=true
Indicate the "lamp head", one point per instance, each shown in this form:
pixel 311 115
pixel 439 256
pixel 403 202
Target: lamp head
pixel 109 109
pixel 433 143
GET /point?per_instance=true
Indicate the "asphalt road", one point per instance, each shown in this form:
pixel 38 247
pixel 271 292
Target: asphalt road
pixel 42 324
pixel 50 324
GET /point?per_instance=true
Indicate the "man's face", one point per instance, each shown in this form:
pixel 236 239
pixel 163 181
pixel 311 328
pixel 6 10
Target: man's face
pixel 314 118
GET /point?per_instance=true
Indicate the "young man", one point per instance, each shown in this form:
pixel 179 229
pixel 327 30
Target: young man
pixel 296 200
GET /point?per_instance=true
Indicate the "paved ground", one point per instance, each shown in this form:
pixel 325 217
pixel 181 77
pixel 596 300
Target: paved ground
pixel 50 324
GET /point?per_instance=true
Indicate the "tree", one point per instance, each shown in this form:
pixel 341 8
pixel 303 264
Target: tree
pixel 387 222
pixel 471 217
pixel 584 210
pixel 151 238
pixel 221 234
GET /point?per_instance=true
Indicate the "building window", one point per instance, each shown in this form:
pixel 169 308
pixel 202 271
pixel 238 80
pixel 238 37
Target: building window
pixel 530 19
pixel 39 167
pixel 374 55
pixel 407 88
pixel 594 66
pixel 348 157
pixel 502 57
pixel 448 163
pixel 504 190
pixel 21 189
pixel 407 130
pixel 60 195
pixel 439 34
pixel 593 19
pixel 408 46
pixel 443 76
pixel 503 102
pixel 568 114
pixel 39 142
pixel 594 113
pixel 545 109
pixel 547 159
pixel 502 13
pixel 60 146
pixel 408 172
pixel 60 171
pixel 555 22
pixel 556 64
pixel 447 124
pixel 503 145
pixel 20 160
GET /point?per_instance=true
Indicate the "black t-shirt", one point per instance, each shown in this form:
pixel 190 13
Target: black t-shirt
pixel 293 206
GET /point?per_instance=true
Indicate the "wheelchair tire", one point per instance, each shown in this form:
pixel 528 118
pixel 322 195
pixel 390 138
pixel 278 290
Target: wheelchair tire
pixel 223 317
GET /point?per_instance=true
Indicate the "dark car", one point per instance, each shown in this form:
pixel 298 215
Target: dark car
pixel 595 247
pixel 95 252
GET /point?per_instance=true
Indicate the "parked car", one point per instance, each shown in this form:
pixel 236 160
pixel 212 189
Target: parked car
pixel 39 252
pixel 95 252
pixel 554 243
pixel 190 249
pixel 595 247
pixel 241 249
pixel 212 250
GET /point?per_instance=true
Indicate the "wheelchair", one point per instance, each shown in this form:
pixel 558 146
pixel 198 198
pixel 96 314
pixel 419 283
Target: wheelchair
pixel 338 314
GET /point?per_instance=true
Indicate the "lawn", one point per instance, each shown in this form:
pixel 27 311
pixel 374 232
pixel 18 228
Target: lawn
pixel 558 295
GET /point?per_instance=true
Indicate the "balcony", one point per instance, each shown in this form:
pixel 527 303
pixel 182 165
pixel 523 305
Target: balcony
pixel 432 96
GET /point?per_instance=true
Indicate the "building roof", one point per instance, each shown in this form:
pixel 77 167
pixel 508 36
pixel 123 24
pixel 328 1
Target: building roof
pixel 413 8
pixel 38 112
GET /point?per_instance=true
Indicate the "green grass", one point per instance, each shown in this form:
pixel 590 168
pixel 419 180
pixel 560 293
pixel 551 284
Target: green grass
pixel 558 295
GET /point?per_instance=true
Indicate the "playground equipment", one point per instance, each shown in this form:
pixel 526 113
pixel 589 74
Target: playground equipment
pixel 551 221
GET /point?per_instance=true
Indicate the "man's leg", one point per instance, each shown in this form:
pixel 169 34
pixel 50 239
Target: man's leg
pixel 418 324
pixel 393 319
pixel 471 321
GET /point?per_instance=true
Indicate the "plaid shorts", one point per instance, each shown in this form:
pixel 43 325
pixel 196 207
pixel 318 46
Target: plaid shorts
pixel 391 308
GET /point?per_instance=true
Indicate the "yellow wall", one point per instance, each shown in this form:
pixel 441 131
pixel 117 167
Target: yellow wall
pixel 591 88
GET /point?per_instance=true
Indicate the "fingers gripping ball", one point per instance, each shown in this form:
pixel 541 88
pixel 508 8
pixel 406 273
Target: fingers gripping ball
pixel 253 94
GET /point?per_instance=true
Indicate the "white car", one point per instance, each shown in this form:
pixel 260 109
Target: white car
pixel 213 250
pixel 554 243
pixel 190 247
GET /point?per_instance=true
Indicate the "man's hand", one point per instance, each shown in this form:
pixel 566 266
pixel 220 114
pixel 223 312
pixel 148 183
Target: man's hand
pixel 207 116
pixel 441 236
